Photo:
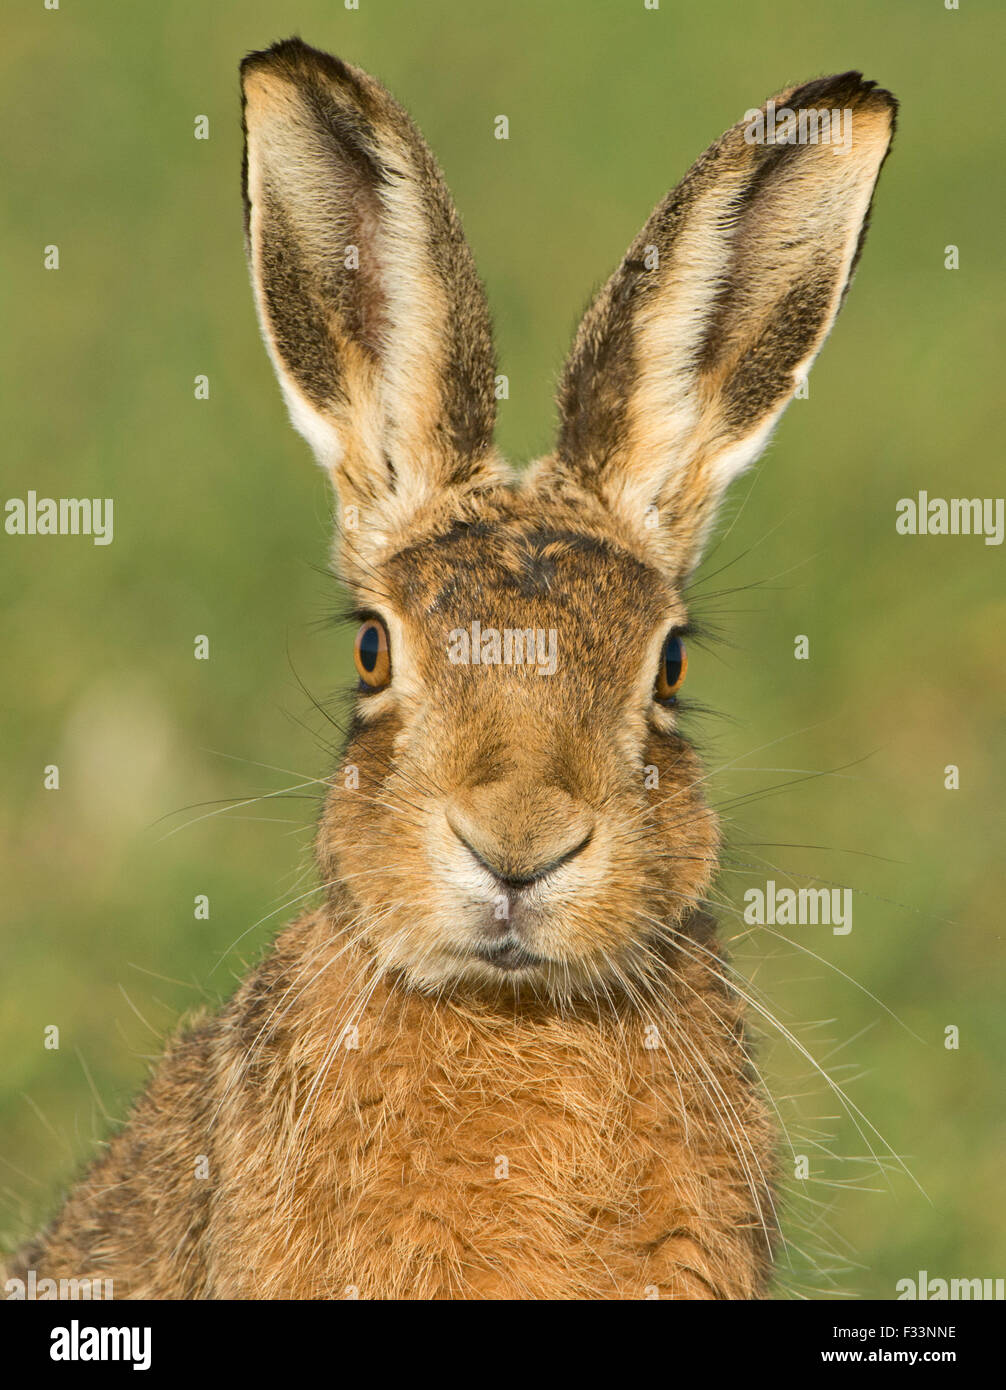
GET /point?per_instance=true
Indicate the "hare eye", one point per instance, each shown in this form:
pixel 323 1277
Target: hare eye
pixel 673 665
pixel 372 654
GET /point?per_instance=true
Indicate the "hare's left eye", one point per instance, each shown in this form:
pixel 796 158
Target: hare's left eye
pixel 372 655
pixel 671 672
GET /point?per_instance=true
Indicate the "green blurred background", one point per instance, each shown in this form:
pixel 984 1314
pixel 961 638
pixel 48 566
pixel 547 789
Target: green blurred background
pixel 221 528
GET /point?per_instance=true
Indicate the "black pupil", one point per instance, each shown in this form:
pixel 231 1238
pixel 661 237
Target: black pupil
pixel 672 660
pixel 370 646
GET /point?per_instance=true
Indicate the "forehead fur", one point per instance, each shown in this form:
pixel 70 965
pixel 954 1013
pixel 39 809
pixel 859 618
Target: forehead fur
pixel 514 559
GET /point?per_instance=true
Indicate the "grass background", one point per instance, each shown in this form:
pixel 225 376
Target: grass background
pixel 222 527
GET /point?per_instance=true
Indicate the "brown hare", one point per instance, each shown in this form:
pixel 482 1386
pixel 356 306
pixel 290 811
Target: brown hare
pixel 503 1059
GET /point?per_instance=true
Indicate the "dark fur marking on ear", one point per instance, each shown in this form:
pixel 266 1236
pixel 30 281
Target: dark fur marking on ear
pixel 597 382
pixel 295 313
pixel 764 375
pixel 469 373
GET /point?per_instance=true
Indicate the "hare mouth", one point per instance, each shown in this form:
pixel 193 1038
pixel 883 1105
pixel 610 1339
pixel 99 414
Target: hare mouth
pixel 509 954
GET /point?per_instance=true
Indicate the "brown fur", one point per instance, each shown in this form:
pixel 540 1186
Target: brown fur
pixel 382 1109
pixel 623 1170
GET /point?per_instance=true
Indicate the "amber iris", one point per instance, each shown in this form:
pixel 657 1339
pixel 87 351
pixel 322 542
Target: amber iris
pixel 372 654
pixel 673 665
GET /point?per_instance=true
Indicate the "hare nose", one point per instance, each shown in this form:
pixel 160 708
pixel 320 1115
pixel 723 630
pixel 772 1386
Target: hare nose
pixel 522 858
pixel 502 866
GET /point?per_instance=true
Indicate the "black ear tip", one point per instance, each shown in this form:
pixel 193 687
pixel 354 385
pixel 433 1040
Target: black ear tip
pixel 889 100
pixel 870 94
pixel 275 54
pixel 294 57
pixel 843 89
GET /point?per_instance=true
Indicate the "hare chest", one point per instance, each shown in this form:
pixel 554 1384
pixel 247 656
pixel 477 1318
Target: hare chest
pixel 447 1154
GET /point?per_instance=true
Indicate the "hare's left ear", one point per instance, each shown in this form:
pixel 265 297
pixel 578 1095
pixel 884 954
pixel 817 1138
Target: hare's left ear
pixel 688 356
pixel 369 302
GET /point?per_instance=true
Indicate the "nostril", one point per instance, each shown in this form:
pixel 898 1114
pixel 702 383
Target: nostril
pixel 477 855
pixel 507 873
pixel 549 866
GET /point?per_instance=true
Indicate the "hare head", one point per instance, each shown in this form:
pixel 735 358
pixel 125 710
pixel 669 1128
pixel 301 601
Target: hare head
pixel 518 808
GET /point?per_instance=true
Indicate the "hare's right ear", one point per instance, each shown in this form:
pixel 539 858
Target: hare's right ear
pixel 692 350
pixel 368 298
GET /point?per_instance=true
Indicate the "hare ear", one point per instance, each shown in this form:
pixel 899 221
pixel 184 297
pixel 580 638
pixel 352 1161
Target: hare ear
pixel 367 294
pixel 692 350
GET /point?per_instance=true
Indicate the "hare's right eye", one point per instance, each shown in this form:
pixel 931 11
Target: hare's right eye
pixel 671 672
pixel 373 655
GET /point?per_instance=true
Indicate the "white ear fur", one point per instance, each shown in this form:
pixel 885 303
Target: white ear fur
pixel 319 432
